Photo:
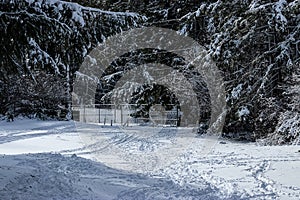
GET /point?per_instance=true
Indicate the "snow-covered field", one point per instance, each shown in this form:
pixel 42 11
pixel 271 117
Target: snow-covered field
pixel 63 160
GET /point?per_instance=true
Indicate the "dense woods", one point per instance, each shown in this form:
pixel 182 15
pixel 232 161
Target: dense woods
pixel 255 44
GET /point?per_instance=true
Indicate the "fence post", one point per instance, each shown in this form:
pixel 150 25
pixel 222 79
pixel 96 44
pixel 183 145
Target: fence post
pixel 99 115
pixel 121 115
pixel 84 114
pixel 177 119
pixel 115 113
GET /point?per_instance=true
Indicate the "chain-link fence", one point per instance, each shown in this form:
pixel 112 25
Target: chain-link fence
pixel 128 114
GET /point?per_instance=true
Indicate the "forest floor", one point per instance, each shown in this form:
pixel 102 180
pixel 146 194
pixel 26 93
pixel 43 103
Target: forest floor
pixel 64 160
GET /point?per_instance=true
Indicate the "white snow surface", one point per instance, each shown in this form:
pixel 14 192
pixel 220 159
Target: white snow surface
pixel 64 160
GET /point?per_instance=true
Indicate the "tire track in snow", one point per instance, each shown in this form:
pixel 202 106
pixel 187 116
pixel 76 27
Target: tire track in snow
pixel 198 162
pixel 140 149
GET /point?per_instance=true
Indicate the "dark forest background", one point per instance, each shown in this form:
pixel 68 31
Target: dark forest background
pixel 255 44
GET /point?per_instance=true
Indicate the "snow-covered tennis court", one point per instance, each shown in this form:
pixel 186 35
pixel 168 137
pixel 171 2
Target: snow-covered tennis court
pixel 61 160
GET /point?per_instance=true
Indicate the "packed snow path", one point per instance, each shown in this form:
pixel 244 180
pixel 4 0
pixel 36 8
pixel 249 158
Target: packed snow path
pixel 101 162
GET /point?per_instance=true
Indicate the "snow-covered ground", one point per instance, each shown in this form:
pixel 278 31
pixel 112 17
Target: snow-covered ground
pixel 63 160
